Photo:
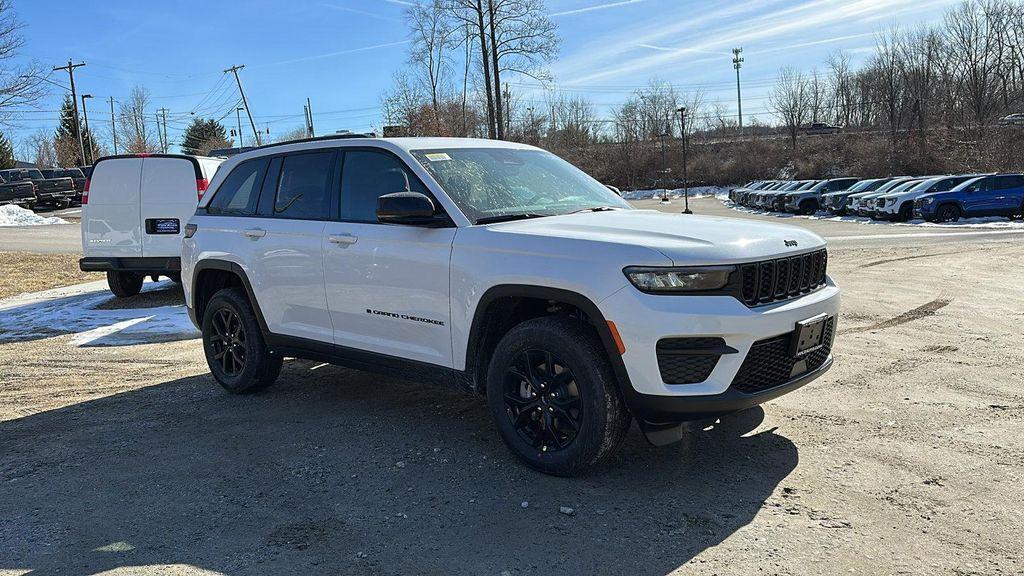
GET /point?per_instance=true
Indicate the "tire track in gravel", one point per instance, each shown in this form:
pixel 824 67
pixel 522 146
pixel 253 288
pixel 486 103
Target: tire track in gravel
pixel 922 311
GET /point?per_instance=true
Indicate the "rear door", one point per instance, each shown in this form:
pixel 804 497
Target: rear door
pixel 111 225
pixel 168 199
pixel 1006 192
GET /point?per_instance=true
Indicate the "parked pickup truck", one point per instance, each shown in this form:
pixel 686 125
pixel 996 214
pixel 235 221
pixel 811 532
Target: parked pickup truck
pixel 76 175
pixel 20 193
pixel 53 191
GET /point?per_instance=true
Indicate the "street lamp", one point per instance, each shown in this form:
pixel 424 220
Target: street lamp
pixel 686 188
pixel 92 151
pixel 665 170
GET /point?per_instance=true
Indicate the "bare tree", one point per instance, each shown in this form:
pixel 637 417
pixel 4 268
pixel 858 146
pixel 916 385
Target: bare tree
pixel 473 14
pixel 40 148
pixel 134 131
pixel 790 100
pixel 432 41
pixel 20 85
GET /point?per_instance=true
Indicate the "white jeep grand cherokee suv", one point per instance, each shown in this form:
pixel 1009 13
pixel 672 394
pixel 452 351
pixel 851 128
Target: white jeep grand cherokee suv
pixel 503 269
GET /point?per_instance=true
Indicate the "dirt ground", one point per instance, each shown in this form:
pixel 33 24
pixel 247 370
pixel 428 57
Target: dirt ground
pixel 30 272
pixel 906 458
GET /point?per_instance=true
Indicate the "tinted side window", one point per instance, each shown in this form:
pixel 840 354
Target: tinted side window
pixel 239 192
pixel 1007 182
pixel 368 175
pixel 304 188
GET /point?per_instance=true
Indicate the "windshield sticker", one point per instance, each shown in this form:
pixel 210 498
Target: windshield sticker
pixel 438 157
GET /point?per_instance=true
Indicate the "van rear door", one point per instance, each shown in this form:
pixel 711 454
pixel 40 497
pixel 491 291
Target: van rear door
pixel 169 198
pixel 111 225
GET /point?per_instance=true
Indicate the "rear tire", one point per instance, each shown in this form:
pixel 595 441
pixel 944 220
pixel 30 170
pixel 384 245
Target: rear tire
pixel 124 284
pixel 233 343
pixel 553 377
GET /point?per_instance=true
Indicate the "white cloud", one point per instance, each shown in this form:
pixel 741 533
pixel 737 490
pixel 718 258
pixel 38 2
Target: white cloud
pixel 597 7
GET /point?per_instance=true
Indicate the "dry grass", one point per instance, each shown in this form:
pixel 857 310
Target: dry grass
pixel 27 272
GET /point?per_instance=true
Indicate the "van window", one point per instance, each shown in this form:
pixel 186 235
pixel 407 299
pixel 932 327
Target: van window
pixel 239 192
pixel 368 175
pixel 304 188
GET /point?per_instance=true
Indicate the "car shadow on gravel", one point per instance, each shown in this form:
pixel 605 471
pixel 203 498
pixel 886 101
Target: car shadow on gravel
pixel 338 471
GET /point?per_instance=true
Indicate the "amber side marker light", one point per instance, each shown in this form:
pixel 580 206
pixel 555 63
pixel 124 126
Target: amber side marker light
pixel 616 337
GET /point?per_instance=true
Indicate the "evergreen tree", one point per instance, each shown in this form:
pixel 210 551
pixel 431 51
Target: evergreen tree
pixel 201 136
pixel 66 138
pixel 6 153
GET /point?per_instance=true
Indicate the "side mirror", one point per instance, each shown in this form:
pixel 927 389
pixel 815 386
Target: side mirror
pixel 406 208
pixel 613 189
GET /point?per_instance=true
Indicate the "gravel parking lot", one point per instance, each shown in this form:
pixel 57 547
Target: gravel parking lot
pixel 122 454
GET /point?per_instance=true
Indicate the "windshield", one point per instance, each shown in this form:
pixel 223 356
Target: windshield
pixel 495 183
pixel 861 186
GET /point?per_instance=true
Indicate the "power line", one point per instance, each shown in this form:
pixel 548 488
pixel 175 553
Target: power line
pixel 234 70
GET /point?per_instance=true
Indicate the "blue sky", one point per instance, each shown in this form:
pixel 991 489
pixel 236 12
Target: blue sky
pixel 342 53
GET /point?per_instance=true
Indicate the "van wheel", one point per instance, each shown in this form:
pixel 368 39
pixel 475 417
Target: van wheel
pixel 233 342
pixel 124 284
pixel 554 397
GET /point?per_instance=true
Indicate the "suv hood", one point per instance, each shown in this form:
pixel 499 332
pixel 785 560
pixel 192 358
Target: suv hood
pixel 685 239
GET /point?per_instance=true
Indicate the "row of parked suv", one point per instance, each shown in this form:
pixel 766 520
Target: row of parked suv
pixel 939 198
pixel 54 187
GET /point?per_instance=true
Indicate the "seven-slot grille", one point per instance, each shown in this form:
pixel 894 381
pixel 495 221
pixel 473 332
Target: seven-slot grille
pixel 770 362
pixel 774 280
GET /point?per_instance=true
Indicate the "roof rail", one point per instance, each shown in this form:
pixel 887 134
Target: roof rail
pixel 313 139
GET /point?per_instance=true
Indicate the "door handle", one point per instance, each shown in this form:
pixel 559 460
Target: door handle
pixel 254 233
pixel 342 239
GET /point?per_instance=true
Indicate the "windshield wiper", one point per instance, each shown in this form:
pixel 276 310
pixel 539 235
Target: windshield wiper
pixel 508 217
pixel 595 209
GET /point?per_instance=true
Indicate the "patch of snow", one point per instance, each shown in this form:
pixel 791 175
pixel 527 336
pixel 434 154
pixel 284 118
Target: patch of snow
pixel 74 310
pixel 695 192
pixel 11 215
pixel 985 223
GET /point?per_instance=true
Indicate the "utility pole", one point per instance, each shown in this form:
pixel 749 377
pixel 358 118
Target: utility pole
pixel 113 124
pixel 85 113
pixel 686 187
pixel 238 117
pixel 166 139
pixel 737 63
pixel 234 70
pixel 309 111
pixel 74 102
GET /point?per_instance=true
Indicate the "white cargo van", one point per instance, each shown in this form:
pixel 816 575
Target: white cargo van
pixel 134 211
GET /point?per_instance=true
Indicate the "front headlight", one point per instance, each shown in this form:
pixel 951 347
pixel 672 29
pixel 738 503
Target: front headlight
pixel 929 200
pixel 890 201
pixel 679 280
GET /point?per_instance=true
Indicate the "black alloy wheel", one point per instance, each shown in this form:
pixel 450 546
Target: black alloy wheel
pixel 228 341
pixel 949 213
pixel 542 400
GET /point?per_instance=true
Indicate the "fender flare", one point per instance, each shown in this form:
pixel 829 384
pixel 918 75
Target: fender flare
pixel 576 299
pixel 234 268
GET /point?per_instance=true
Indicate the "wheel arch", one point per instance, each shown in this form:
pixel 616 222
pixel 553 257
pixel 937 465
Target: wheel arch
pixel 212 275
pixel 518 303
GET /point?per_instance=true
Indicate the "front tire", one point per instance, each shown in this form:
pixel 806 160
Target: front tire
pixel 554 397
pixel 124 284
pixel 233 343
pixel 906 212
pixel 808 207
pixel 948 213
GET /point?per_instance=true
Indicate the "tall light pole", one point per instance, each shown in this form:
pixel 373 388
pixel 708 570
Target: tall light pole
pixel 665 170
pixel 238 116
pixel 686 188
pixel 85 113
pixel 737 63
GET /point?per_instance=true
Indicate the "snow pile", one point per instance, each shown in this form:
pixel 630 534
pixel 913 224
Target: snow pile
pixel 695 192
pixel 75 310
pixel 11 215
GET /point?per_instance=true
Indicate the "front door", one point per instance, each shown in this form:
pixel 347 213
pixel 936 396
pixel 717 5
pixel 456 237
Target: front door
pixel 387 285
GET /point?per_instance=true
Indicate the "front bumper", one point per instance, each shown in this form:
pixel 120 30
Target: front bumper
pixel 642 320
pixel 924 211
